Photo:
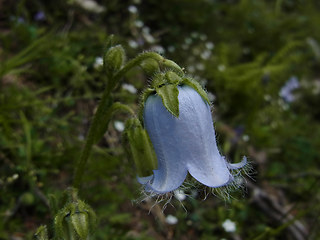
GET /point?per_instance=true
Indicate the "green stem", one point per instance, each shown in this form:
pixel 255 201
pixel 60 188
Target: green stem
pixel 119 106
pixel 136 61
pixel 81 165
pixel 89 141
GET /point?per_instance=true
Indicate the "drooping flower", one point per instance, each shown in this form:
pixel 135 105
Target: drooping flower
pixel 184 143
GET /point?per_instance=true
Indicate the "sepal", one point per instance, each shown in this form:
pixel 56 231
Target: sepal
pixel 76 220
pixel 169 95
pixel 196 86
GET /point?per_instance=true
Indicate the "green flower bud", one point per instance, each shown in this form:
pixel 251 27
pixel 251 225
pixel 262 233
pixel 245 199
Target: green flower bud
pixel 75 221
pixel 150 66
pixel 140 147
pixel 114 59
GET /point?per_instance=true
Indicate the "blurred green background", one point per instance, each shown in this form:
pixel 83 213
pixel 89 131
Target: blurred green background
pixel 259 61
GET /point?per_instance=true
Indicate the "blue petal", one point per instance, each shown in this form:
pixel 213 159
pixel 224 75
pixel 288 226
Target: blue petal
pixel 145 180
pixel 204 161
pixel 161 127
pixel 238 165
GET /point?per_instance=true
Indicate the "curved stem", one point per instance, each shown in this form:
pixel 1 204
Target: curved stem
pixel 136 61
pixel 120 106
pixel 103 105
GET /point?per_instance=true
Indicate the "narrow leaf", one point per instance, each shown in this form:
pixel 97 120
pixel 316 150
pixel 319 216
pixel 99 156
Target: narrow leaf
pixel 196 86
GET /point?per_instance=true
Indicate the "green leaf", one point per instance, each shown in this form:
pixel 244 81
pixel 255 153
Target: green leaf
pixel 168 64
pixel 196 86
pixel 169 94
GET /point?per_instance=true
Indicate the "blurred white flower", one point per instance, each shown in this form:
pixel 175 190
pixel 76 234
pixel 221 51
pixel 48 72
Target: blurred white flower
pixel 267 97
pixel 119 126
pixel 90 5
pixel 200 66
pixel 229 226
pixel 98 62
pixel 15 176
pixel 145 30
pixel 188 41
pixel 245 138
pixel 149 38
pixel 196 51
pixel 221 67
pixel 158 49
pixel 133 44
pixel 81 137
pixel 203 37
pixel 191 69
pixel 130 88
pixel 171 49
pixel 171 220
pixel 180 195
pixel 206 54
pixel 132 9
pixel 194 34
pixel 203 81
pixel 316 87
pixel 185 46
pixel 138 23
pixel 209 45
pixel 194 193
pixel 211 96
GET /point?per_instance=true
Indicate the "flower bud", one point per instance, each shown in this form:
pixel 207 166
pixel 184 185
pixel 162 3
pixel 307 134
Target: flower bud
pixel 114 59
pixel 141 148
pixel 150 66
pixel 75 221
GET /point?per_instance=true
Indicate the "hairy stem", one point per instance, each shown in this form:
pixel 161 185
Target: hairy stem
pixel 90 139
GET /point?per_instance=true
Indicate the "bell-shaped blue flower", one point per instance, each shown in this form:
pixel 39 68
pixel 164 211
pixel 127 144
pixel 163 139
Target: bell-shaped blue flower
pixel 184 144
